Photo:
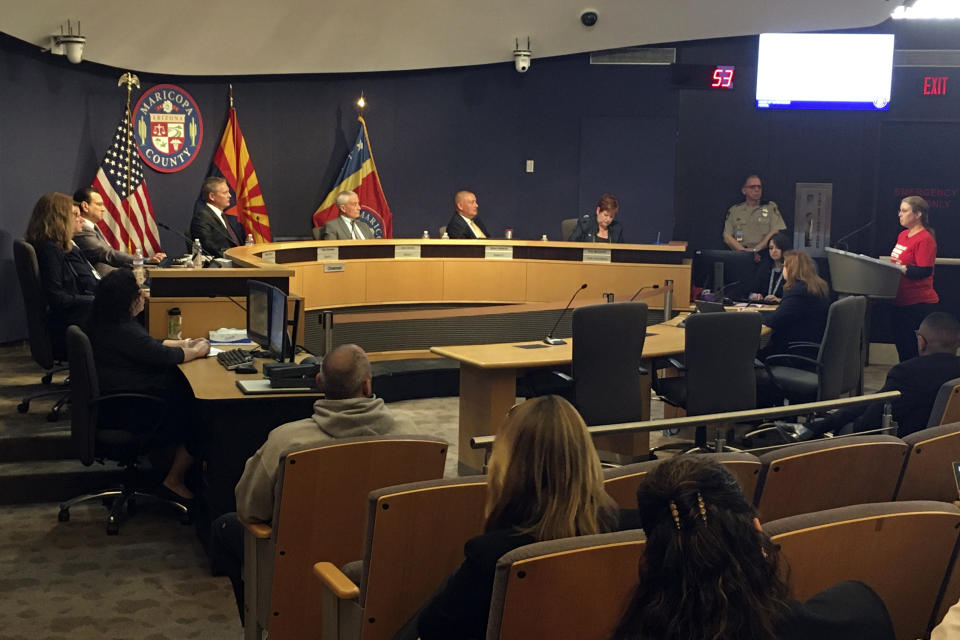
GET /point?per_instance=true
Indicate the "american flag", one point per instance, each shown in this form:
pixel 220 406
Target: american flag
pixel 129 223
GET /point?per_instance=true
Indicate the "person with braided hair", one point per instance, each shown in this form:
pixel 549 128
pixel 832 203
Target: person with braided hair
pixel 709 571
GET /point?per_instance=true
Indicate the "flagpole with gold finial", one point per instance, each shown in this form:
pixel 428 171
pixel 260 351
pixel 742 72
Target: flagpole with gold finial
pixel 131 81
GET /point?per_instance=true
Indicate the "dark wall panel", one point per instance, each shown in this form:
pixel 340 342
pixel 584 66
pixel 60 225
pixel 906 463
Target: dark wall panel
pixel 436 131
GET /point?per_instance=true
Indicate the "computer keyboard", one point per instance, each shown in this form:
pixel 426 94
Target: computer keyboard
pixel 233 358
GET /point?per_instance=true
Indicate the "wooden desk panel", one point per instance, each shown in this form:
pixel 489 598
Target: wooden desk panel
pixel 202 315
pixel 403 280
pixel 539 271
pixel 483 280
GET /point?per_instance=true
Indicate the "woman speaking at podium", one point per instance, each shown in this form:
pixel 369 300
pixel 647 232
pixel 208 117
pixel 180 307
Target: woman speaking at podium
pixel 915 252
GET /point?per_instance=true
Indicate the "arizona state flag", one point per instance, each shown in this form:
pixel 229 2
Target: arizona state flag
pixel 359 174
pixel 233 163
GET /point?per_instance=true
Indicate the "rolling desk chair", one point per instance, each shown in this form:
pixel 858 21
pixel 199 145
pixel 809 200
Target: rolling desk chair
pixel 41 344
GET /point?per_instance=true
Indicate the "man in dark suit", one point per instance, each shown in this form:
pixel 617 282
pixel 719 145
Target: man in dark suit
pixel 347 226
pixel 217 232
pixel 93 245
pixel 917 380
pixel 465 223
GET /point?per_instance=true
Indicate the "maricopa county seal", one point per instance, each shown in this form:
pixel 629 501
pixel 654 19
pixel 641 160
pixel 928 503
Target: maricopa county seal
pixel 168 128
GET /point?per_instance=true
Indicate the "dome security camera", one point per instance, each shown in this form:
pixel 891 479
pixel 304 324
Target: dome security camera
pixel 589 18
pixel 521 57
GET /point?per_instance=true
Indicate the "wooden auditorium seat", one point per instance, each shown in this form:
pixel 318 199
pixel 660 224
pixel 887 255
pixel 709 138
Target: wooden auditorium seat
pixel 320 515
pixel 900 549
pixel 830 473
pixel 928 471
pixel 622 482
pixel 567 589
pixel 415 538
pixel 946 406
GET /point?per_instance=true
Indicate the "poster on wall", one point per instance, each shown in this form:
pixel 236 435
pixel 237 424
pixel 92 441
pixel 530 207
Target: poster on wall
pixel 812 212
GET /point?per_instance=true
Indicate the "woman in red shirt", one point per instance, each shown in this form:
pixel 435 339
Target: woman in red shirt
pixel 915 252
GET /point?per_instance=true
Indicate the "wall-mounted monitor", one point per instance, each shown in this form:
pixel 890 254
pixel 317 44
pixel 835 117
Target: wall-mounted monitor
pixel 850 71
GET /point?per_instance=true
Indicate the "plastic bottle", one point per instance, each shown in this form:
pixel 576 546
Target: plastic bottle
pixel 138 271
pixel 174 324
pixel 249 240
pixel 197 254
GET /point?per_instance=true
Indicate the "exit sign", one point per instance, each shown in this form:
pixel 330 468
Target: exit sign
pixel 935 85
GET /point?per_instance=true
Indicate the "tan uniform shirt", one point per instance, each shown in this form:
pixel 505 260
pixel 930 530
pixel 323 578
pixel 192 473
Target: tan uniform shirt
pixel 754 222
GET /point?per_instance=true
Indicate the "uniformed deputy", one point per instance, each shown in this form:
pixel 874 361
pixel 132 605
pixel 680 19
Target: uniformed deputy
pixel 750 225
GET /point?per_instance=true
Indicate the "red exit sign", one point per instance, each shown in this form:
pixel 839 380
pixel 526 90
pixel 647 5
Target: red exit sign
pixel 935 85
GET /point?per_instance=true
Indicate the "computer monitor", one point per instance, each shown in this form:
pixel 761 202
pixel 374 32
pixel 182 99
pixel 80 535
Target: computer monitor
pixel 267 319
pixel 730 273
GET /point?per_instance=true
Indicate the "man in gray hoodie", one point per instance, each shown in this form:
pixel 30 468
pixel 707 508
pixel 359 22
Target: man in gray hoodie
pixel 349 409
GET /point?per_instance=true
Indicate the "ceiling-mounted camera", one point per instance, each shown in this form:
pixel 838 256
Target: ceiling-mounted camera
pixel 589 18
pixel 521 57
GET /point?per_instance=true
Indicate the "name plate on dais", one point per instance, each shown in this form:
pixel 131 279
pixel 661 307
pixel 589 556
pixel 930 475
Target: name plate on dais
pixel 328 254
pixel 407 251
pixel 269 256
pixel 334 268
pixel 596 255
pixel 498 252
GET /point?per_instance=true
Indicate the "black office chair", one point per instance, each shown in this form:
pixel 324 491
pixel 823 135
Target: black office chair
pixel 96 442
pixel 38 333
pixel 837 367
pixel 719 354
pixel 607 355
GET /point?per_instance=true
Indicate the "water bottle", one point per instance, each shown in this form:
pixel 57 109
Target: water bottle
pixel 138 271
pixel 197 254
pixel 249 241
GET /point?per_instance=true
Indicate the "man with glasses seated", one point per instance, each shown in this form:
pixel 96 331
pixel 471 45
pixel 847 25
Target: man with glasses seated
pixel 751 224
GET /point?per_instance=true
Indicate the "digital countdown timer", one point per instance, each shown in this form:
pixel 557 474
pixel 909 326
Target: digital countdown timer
pixel 703 76
pixel 722 78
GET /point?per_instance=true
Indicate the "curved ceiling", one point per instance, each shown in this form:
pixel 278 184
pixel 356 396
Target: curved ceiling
pixel 243 37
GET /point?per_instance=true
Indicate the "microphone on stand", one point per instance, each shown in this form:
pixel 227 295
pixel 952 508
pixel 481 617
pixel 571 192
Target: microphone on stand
pixel 836 245
pixel 717 296
pixel 555 341
pixel 634 297
pixel 209 261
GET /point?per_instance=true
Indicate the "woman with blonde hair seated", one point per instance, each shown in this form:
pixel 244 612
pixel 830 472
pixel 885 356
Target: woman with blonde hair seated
pixel 544 483
pixel 710 573
pixel 802 314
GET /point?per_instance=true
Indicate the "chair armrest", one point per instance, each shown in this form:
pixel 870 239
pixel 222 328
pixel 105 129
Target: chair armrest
pixel 643 371
pixel 117 396
pixel 258 530
pixel 786 358
pixel 676 364
pixel 563 376
pixel 333 579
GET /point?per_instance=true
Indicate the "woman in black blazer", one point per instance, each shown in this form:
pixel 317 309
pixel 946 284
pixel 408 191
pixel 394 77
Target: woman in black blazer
pixel 602 228
pixel 544 483
pixel 128 359
pixel 68 280
pixel 802 314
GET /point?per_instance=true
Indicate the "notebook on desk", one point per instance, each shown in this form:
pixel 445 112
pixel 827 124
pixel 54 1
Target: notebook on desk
pixel 261 386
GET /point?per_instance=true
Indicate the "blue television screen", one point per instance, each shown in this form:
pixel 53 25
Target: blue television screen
pixel 850 71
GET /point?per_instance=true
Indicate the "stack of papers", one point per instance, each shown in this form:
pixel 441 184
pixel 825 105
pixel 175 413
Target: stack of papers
pixel 229 336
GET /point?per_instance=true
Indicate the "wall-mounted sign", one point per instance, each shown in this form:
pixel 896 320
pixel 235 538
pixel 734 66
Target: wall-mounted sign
pixel 168 128
pixel 935 85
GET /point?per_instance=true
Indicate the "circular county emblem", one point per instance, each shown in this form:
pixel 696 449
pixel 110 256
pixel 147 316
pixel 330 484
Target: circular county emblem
pixel 168 129
pixel 372 218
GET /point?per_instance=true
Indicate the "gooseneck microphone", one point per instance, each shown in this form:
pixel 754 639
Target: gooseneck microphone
pixel 555 341
pixel 843 240
pixel 182 235
pixel 634 296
